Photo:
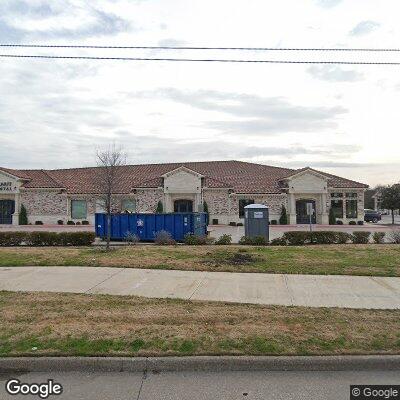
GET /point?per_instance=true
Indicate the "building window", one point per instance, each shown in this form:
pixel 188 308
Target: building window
pixel 128 205
pixel 351 208
pixel 337 208
pixel 336 194
pixel 78 209
pixel 351 195
pixel 242 204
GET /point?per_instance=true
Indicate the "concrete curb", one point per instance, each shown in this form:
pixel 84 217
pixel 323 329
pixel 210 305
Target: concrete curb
pixel 198 363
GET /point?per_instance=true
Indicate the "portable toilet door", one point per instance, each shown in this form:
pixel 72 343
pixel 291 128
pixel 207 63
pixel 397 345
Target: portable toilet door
pixel 256 221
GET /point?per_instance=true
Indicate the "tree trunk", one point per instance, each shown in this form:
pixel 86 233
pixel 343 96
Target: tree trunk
pixel 108 231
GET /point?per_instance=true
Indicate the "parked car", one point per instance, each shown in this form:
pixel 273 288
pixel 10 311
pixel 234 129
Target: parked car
pixel 372 216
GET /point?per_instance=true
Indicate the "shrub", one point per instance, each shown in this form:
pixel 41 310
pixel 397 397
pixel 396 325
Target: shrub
pixel 60 222
pixel 339 222
pixel 195 240
pixel 215 221
pixel 352 223
pixel 38 222
pixel 297 238
pixel 23 216
pixel 160 208
pixel 232 223
pixel 342 237
pixel 43 239
pixel 395 236
pixel 70 223
pixel 360 222
pixel 278 242
pixel 324 237
pixel 332 217
pixel 12 238
pixel 274 222
pixel 253 241
pixel 85 222
pixel 245 240
pixel 131 238
pixel 163 238
pixel 360 237
pixel 379 237
pixel 224 239
pixel 283 220
pixel 77 223
pixel 239 224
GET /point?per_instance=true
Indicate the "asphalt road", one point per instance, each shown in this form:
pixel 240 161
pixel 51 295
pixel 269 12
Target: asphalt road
pixel 204 386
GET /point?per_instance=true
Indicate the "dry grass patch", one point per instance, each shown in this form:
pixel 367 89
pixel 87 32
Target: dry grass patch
pixel 377 260
pixel 70 324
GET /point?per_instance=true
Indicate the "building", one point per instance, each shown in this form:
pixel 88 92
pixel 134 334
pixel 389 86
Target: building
pixel 52 196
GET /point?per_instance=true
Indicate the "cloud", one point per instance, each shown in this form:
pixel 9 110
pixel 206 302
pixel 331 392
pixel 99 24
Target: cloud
pixel 258 115
pixel 328 3
pixel 57 20
pixel 333 73
pixel 364 27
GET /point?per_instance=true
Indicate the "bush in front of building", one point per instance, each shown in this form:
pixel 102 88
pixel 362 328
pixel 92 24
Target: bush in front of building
pixel 163 238
pixel 324 237
pixel 278 242
pixel 297 238
pixel 23 216
pixel 379 237
pixel 38 238
pixel 12 238
pixel 160 208
pixel 253 241
pixel 395 237
pixel 224 240
pixel 342 237
pixel 196 240
pixel 283 220
pixel 360 237
pixel 274 222
pixel 332 217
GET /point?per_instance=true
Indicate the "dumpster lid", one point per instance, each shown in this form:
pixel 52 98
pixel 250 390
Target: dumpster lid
pixel 256 206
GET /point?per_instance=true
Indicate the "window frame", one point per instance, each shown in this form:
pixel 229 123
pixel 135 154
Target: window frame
pixel 338 200
pixel 348 202
pixel 241 207
pixel 82 201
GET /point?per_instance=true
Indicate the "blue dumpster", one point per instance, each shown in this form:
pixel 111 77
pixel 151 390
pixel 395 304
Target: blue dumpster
pixel 145 226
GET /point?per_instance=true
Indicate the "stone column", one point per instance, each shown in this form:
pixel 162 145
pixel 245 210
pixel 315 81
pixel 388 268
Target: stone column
pixel 292 209
pixel 15 217
pixel 324 210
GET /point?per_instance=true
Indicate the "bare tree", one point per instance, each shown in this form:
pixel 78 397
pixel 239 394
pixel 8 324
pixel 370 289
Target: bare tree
pixel 108 176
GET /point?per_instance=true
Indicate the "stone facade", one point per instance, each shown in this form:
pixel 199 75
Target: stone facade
pixel 147 200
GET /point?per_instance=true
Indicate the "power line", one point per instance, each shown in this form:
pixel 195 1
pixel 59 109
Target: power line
pixel 201 48
pixel 196 60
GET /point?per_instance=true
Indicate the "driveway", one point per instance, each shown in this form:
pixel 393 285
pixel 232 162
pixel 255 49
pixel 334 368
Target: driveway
pixel 255 288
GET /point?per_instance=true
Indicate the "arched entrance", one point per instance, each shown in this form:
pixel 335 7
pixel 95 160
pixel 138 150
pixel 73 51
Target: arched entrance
pixel 301 212
pixel 7 208
pixel 182 206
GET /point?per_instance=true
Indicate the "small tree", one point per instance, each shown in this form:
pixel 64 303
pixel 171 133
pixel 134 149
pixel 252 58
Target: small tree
pixel 107 178
pixel 23 216
pixel 160 208
pixel 332 217
pixel 390 198
pixel 205 209
pixel 283 220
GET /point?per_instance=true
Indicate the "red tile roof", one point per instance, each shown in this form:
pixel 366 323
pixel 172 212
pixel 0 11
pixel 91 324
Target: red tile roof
pixel 242 177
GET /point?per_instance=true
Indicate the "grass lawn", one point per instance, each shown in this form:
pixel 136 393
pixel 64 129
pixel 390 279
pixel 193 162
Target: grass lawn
pixel 371 259
pixel 73 324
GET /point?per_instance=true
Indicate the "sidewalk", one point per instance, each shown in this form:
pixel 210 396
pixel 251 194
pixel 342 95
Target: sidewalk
pixel 267 289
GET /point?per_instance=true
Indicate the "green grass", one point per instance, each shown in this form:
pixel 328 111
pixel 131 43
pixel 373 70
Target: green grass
pixel 89 325
pixel 370 259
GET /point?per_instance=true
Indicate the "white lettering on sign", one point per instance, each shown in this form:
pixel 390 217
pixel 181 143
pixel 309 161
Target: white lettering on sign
pixel 7 187
pixel 258 214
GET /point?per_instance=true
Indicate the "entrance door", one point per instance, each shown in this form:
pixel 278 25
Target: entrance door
pixel 301 212
pixel 183 206
pixel 7 208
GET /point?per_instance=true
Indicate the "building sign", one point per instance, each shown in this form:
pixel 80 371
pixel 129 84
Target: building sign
pixel 258 214
pixel 7 187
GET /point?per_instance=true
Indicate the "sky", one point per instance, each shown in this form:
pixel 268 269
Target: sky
pixel 342 119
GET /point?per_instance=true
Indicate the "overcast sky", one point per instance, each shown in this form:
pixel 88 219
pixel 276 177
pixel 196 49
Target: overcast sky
pixel 341 119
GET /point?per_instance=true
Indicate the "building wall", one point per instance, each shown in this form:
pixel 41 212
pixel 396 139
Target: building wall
pixel 147 200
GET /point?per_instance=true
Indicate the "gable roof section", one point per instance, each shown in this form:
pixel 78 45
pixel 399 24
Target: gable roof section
pixel 242 177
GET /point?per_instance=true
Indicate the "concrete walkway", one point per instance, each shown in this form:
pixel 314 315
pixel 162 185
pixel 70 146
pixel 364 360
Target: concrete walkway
pixel 257 288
